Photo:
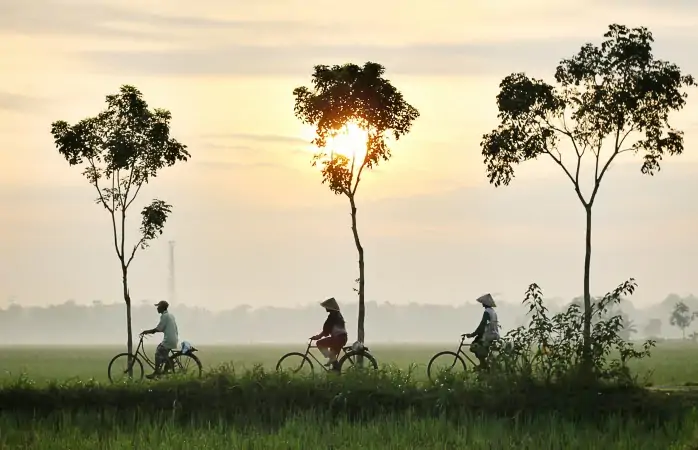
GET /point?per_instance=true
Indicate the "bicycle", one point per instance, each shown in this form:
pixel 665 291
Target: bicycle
pixel 350 355
pixel 179 361
pixel 452 360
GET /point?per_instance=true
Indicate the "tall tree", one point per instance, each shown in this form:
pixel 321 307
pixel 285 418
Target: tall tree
pixel 681 317
pixel 609 99
pixel 120 150
pixel 341 96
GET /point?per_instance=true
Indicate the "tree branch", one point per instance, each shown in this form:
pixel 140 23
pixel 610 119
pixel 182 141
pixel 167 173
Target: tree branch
pixel 104 202
pixel 138 189
pixel 133 252
pixel 597 183
pixel 620 144
pixel 574 179
pixel 118 187
pixel 358 176
pixel 128 185
pixel 569 175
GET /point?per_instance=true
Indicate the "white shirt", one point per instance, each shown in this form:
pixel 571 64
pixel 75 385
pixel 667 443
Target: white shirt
pixel 168 327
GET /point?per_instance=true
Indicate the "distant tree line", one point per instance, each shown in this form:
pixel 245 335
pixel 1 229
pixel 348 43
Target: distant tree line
pixel 70 323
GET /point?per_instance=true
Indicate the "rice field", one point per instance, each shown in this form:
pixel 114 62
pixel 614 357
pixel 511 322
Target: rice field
pixel 672 365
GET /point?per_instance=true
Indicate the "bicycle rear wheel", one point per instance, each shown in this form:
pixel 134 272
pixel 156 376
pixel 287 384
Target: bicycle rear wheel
pixel 349 362
pixel 119 368
pixel 296 364
pixel 445 363
pixel 186 364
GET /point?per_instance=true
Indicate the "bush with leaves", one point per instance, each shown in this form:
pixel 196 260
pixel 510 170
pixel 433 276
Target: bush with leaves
pixel 550 348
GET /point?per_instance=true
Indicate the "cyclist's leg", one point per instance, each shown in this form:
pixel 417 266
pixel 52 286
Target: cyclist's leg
pixel 161 356
pixel 337 344
pixel 324 346
pixel 480 350
pixel 331 346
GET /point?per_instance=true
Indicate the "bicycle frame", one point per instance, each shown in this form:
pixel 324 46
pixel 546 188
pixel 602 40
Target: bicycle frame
pixel 308 353
pixel 460 351
pixel 140 353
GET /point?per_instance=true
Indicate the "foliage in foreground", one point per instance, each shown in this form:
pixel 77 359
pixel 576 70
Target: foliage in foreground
pixel 550 349
pixel 320 430
pixel 261 397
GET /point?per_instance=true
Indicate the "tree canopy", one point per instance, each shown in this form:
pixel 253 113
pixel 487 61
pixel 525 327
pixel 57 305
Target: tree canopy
pixel 617 90
pixel 344 94
pixel 120 150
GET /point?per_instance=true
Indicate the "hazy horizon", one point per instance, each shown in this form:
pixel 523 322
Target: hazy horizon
pixel 103 324
pixel 251 220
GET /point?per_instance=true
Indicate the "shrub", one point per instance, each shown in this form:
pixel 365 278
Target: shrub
pixel 549 349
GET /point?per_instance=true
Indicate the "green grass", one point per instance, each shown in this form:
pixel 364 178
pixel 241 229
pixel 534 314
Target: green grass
pixel 671 364
pixel 317 431
pixel 142 417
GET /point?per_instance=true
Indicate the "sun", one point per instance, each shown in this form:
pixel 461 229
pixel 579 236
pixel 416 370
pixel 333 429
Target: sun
pixel 350 142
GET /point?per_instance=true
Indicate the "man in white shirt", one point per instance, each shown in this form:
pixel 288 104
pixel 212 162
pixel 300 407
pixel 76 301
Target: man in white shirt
pixel 168 327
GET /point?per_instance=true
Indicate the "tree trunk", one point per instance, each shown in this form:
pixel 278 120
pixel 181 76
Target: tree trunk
pixel 360 250
pixel 586 355
pixel 127 300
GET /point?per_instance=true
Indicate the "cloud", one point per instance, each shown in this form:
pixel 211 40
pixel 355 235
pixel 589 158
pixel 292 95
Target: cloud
pixel 61 17
pixel 664 5
pixel 425 59
pixel 255 138
pixel 457 59
pixel 229 165
pixel 19 103
pixel 627 201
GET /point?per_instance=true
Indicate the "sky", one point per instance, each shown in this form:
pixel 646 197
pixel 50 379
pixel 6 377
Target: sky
pixel 252 222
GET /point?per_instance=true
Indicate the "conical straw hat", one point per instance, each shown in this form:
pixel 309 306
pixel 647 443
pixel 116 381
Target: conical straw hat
pixel 487 300
pixel 330 304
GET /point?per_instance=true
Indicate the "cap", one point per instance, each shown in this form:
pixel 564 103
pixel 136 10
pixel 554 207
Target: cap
pixel 162 303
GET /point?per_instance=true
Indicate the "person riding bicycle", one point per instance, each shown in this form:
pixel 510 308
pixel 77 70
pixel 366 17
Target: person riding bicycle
pixel 333 335
pixel 168 327
pixel 487 332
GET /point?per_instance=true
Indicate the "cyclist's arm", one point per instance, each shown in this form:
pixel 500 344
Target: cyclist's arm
pixel 480 331
pixel 158 329
pixel 326 329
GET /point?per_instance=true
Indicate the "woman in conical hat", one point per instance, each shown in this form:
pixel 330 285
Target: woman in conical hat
pixel 487 332
pixel 334 333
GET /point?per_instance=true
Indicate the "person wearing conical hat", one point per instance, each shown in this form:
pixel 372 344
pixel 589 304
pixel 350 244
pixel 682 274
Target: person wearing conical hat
pixel 487 332
pixel 334 333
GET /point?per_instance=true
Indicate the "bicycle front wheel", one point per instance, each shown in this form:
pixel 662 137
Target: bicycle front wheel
pixel 295 363
pixel 350 361
pixel 445 363
pixel 186 364
pixel 121 364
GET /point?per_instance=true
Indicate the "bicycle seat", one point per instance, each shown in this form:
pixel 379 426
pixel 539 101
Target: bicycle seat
pixel 350 349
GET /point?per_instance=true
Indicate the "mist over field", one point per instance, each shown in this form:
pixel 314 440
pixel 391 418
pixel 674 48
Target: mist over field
pixel 104 324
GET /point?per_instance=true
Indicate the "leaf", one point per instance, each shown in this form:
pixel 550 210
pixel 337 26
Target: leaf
pixel 348 93
pixel 153 218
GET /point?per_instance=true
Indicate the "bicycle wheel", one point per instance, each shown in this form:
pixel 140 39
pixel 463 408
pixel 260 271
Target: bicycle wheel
pixel 295 363
pixel 349 362
pixel 186 364
pixel 119 367
pixel 444 363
